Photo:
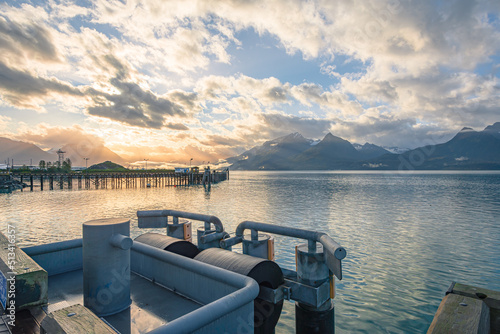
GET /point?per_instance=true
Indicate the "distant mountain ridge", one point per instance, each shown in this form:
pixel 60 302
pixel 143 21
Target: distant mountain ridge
pixel 25 153
pixel 468 149
pixel 296 152
pixel 22 153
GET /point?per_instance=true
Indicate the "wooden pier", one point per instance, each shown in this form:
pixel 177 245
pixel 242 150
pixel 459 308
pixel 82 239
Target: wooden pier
pixel 49 181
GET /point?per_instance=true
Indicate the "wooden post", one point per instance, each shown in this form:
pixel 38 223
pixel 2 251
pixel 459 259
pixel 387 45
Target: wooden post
pixel 41 182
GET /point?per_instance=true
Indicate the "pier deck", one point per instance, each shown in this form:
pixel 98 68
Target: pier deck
pixel 152 305
pixel 105 180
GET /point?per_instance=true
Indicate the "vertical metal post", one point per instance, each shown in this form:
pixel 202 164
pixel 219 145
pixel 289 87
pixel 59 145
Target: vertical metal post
pixel 257 245
pixel 106 265
pixel 312 270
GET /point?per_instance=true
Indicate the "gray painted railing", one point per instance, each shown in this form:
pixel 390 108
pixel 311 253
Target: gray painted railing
pixel 180 214
pixel 334 253
pixel 246 289
pixel 58 257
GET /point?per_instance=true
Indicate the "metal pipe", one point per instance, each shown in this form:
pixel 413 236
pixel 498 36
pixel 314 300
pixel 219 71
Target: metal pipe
pixel 121 241
pixel 182 214
pixel 213 236
pixel 334 253
pixel 225 243
pixel 53 247
pixel 248 290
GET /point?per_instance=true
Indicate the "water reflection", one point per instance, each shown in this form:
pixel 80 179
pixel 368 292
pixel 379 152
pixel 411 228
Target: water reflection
pixel 408 235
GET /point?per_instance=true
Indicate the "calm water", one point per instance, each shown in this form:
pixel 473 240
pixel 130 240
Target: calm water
pixel 407 235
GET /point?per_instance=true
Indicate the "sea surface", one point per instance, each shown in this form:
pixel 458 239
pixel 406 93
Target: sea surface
pixel 407 235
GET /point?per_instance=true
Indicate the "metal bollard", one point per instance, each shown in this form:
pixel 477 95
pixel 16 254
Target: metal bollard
pixel 312 270
pixel 203 233
pixel 180 229
pixel 259 245
pixel 106 265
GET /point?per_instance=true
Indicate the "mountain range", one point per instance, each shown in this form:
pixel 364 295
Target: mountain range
pixel 23 153
pixel 468 149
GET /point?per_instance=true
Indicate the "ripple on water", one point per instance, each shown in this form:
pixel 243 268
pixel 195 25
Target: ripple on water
pixel 407 235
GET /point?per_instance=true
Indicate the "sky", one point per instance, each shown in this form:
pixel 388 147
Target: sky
pixel 173 80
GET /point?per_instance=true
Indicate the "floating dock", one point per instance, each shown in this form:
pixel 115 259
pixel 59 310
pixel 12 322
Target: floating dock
pixel 106 282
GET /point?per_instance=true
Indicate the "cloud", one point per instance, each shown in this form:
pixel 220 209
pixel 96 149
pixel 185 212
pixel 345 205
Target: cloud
pixel 26 41
pixel 165 66
pixel 178 126
pixel 218 140
pixel 4 122
pixel 27 90
pixel 264 126
pixel 47 136
pixel 133 105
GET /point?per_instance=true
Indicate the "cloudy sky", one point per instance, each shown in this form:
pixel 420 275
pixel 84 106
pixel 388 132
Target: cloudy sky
pixel 174 80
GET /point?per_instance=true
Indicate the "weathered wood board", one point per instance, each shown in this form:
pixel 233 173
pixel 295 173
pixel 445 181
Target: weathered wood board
pixel 31 280
pixel 461 314
pixel 75 319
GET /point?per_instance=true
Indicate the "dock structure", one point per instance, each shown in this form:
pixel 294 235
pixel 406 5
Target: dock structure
pixel 120 180
pixel 467 309
pixel 157 283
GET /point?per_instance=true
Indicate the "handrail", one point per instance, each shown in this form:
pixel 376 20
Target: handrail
pixel 334 253
pixel 182 214
pixel 53 247
pixel 248 290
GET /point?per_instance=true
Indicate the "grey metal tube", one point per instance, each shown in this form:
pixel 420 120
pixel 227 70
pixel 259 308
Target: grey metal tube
pixel 53 247
pixel 323 238
pixel 333 251
pixel 182 214
pixel 121 241
pixel 248 291
pixel 213 236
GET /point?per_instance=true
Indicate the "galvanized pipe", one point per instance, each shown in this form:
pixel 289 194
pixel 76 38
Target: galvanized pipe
pixel 182 214
pixel 247 291
pixel 333 251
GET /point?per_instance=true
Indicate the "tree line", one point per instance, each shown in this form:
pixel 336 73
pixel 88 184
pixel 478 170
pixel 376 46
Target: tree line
pixel 55 167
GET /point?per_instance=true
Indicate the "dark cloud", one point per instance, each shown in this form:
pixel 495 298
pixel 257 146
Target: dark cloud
pixel 30 41
pixel 276 94
pixel 187 99
pixel 133 105
pixel 218 140
pixel 20 88
pixel 177 126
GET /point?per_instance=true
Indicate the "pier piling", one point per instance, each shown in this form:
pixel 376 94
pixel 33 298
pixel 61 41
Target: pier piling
pixel 122 180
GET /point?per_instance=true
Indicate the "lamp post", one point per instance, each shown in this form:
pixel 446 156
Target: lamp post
pixel 146 163
pixel 86 159
pixel 190 162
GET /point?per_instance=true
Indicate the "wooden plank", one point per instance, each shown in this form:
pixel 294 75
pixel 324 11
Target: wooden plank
pixel 461 314
pixel 75 319
pixel 490 297
pixel 31 280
